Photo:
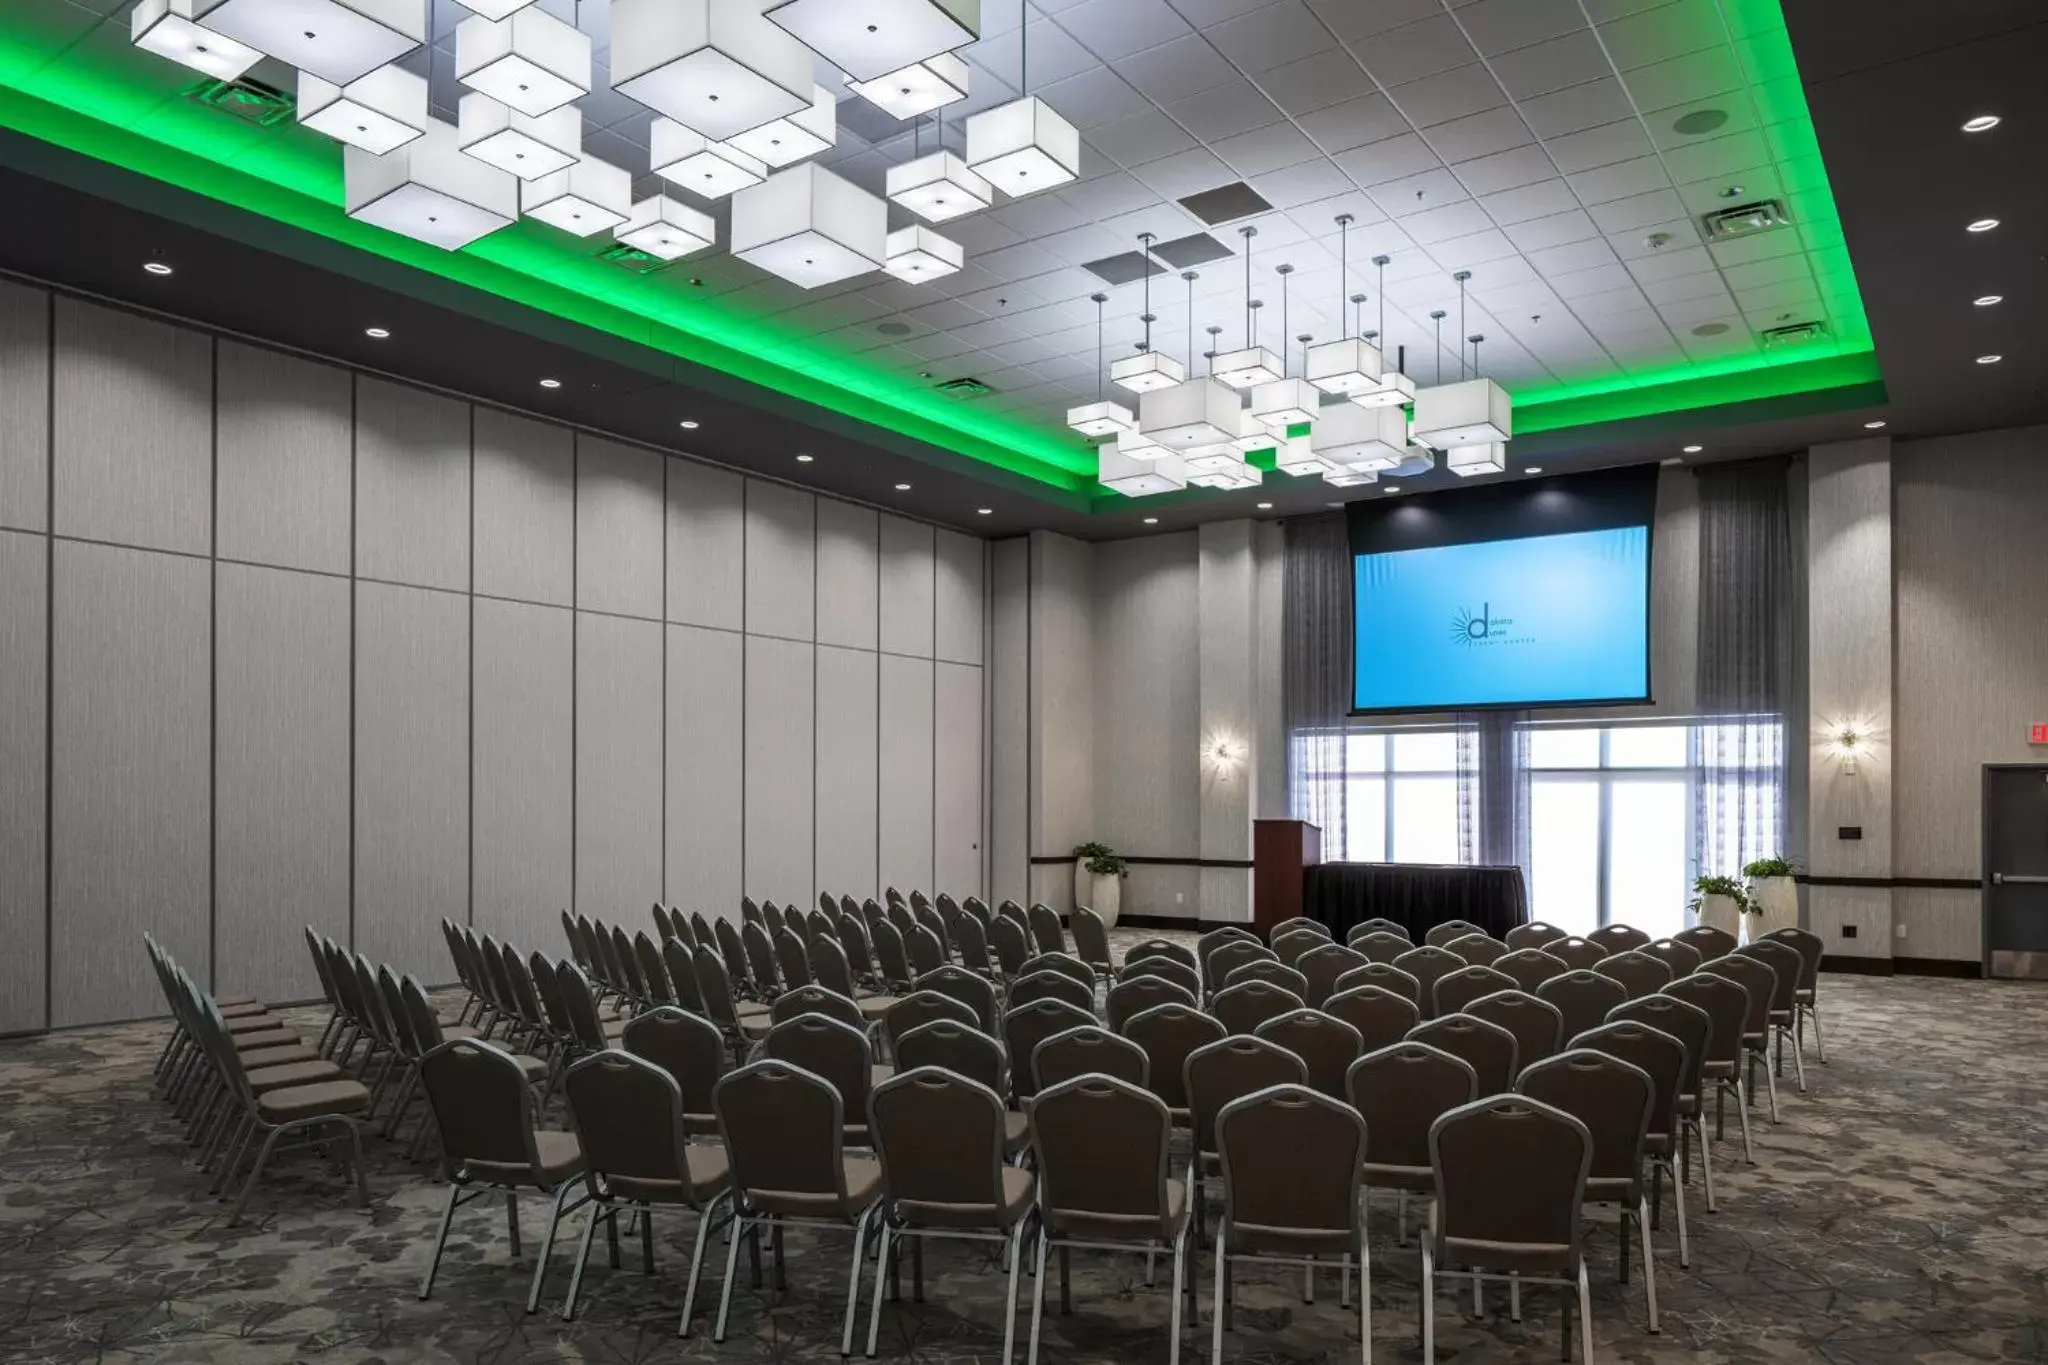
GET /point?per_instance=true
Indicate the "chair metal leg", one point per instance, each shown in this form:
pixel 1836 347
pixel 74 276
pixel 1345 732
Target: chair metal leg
pixel 547 1247
pixel 732 1265
pixel 1649 1263
pixel 1820 1044
pixel 1684 1234
pixel 1514 1297
pixel 1216 1306
pixel 1428 1306
pixel 441 1241
pixel 233 1160
pixel 1770 1085
pixel 860 1244
pixel 1798 1065
pixel 1364 1300
pixel 1010 1303
pixel 1742 1113
pixel 647 1240
pixel 262 1158
pixel 512 1221
pixel 1037 1298
pixel 362 1167
pixel 1180 1270
pixel 705 1218
pixel 1585 1316
pixel 1707 1172
pixel 597 1211
pixel 881 1282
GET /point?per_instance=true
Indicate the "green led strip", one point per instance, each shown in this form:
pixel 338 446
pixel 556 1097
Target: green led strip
pixel 86 98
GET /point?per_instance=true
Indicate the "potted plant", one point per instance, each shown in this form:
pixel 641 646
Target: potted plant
pixel 1719 902
pixel 1098 880
pixel 1773 896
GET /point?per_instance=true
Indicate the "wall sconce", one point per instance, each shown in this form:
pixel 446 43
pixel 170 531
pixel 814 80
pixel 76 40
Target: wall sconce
pixel 1222 752
pixel 1847 743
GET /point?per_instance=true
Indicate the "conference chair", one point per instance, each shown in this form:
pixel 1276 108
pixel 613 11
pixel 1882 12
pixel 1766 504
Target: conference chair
pixel 1618 938
pixel 1786 960
pixel 1087 1050
pixel 1012 947
pixel 970 941
pixel 1807 998
pixel 1289 945
pixel 1537 1024
pixel 1326 1044
pixel 1134 995
pixel 833 1049
pixel 1450 931
pixel 1170 1034
pixel 1682 958
pixel 1301 923
pixel 1707 941
pixel 1226 957
pixel 1166 969
pixel 1480 950
pixel 1727 1006
pixel 1026 1026
pixel 1579 954
pixel 1455 990
pixel 1534 934
pixel 1051 985
pixel 1583 998
pixel 1214 1075
pixel 970 989
pixel 1064 963
pixel 1692 1028
pixel 817 1000
pixel 1639 972
pixel 1428 965
pixel 1400 1091
pixel 1243 1007
pixel 919 1008
pixel 1763 983
pixel 1384 975
pixel 1046 933
pixel 1324 967
pixel 1166 948
pixel 1379 925
pixel 1379 1016
pixel 1269 970
pixel 1530 967
pixel 1487 1047
pixel 1661 1057
pixel 690 1049
pixel 1091 941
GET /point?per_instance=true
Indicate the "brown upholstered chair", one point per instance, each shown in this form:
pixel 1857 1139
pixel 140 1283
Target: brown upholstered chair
pixel 690 1049
pixel 1087 1050
pixel 817 1000
pixel 970 941
pixel 1455 990
pixel 1269 970
pixel 1378 925
pixel 1326 1045
pixel 1289 945
pixel 1243 1007
pixel 1727 1006
pixel 1784 958
pixel 1763 982
pixel 1091 941
pixel 1065 963
pixel 1707 941
pixel 1380 1016
pixel 741 1023
pixel 1324 967
pixel 1006 937
pixel 1534 934
pixel 1530 967
pixel 1300 923
pixel 1226 957
pixel 1050 985
pixel 1661 1057
pixel 1536 1023
pixel 892 959
pixel 1682 958
pixel 1047 934
pixel 832 1049
pixel 1639 973
pixel 1170 1034
pixel 1487 1047
pixel 1807 998
pixel 763 967
pixel 859 947
pixel 783 1129
pixel 1449 932
pixel 1221 1072
pixel 1026 1026
pixel 1166 948
pixel 1133 995
pixel 1166 969
pixel 1579 954
pixel 1400 1091
pixel 1481 950
pixel 1380 946
pixel 1384 975
pixel 679 957
pixel 970 988
pixel 1429 964
pixel 732 955
pixel 832 969
pixel 1583 998
pixel 920 1008
pixel 925 949
pixel 1618 938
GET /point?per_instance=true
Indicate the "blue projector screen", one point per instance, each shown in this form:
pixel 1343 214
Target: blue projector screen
pixel 1531 621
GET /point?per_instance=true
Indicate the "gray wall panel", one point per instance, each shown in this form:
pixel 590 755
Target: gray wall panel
pixel 906 587
pixel 707 537
pixel 524 775
pixel 525 509
pixel 134 420
pixel 619 529
pixel 285 434
pixel 412 773
pixel 846 796
pixel 1008 681
pixel 1146 715
pixel 618 767
pixel 130 793
pixel 412 486
pixel 779 772
pixel 906 744
pixel 280 777
pixel 24 640
pixel 956 780
pixel 781 561
pixel 848 590
pixel 957 594
pixel 24 410
pixel 706 773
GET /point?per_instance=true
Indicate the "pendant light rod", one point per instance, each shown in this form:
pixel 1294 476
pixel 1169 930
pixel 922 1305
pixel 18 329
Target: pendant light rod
pixel 1248 232
pixel 1190 276
pixel 1357 315
pixel 1284 271
pixel 1475 339
pixel 1461 277
pixel 1145 254
pixel 1381 262
pixel 1100 299
pixel 1305 338
pixel 1438 319
pixel 1343 264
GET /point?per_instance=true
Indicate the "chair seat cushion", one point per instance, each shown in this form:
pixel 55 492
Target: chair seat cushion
pixel 227 1002
pixel 253 1023
pixel 561 1156
pixel 535 1068
pixel 709 1173
pixel 254 1042
pixel 241 1011
pixel 1016 1132
pixel 1528 1257
pixel 1018 1188
pixel 1257 1239
pixel 873 1007
pixel 1124 1227
pixel 450 1032
pixel 1413 1179
pixel 263 1080
pixel 310 1101
pixel 863 1186
pixel 284 1054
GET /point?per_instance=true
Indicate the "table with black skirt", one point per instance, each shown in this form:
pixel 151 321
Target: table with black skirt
pixel 1418 896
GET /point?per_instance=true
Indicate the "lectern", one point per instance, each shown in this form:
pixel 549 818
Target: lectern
pixel 1280 850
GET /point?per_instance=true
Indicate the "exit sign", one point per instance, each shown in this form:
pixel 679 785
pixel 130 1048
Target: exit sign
pixel 2037 734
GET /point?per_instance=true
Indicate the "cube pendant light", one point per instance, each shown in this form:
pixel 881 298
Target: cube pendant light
pixel 1107 418
pixel 1465 461
pixel 428 190
pixel 810 227
pixel 1117 469
pixel 494 9
pixel 1472 412
pixel 699 165
pixel 870 38
pixel 1248 368
pixel 1213 459
pixel 588 197
pixel 1352 478
pixel 336 40
pixel 1146 372
pixel 784 141
pixel 1196 412
pixel 1298 456
pixel 532 62
pixel 714 66
pixel 916 254
pixel 1023 147
pixel 665 229
pixel 1362 438
pixel 916 89
pixel 1395 390
pixel 379 113
pixel 166 28
pixel 526 147
pixel 1240 476
pixel 937 187
pixel 1347 367
pixel 1285 403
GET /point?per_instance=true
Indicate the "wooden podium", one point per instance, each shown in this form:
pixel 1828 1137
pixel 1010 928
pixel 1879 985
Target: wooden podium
pixel 1281 849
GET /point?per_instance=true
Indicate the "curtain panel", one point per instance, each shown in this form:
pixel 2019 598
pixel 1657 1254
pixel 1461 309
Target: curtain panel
pixel 1316 671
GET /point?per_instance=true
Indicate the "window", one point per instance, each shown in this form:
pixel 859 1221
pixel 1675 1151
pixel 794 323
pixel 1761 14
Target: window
pixel 1611 826
pixel 1400 796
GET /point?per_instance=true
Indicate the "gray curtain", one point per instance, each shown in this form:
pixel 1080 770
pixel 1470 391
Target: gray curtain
pixel 1493 788
pixel 1316 672
pixel 1749 588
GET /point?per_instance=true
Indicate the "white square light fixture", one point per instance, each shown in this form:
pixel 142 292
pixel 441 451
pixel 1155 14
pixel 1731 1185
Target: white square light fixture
pixel 1249 368
pixel 810 227
pixel 1395 390
pixel 379 113
pixel 665 229
pixel 1136 445
pixel 1348 367
pixel 871 38
pixel 916 254
pixel 1107 418
pixel 1298 456
pixel 1121 472
pixel 916 89
pixel 1196 412
pixel 937 188
pixel 782 141
pixel 1352 478
pixel 1216 459
pixel 336 40
pixel 715 66
pixel 532 62
pixel 699 165
pixel 1471 412
pixel 526 147
pixel 429 190
pixel 1146 372
pixel 1023 147
pixel 166 28
pixel 588 197
pixel 1285 403
pixel 1465 461
pixel 1243 476
pixel 494 9
pixel 1362 438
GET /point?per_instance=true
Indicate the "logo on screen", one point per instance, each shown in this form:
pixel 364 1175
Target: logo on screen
pixel 1481 627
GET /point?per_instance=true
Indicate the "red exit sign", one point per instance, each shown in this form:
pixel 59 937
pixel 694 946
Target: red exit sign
pixel 2037 734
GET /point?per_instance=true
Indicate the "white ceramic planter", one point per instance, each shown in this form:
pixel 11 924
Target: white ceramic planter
pixel 1721 912
pixel 1778 900
pixel 1103 895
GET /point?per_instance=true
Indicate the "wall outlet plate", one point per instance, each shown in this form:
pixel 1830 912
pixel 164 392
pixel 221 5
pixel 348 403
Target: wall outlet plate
pixel 1848 931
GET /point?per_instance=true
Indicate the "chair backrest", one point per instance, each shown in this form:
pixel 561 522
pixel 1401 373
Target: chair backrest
pixel 1785 960
pixel 423 1024
pixel 1009 909
pixel 1324 966
pixel 664 926
pixel 1400 1091
pixel 1245 1006
pixel 579 1004
pixel 1657 1055
pixel 1379 925
pixel 829 965
pixel 1384 975
pixel 826 1047
pixel 1638 972
pixel 686 1046
pixel 1229 1069
pixel 762 967
pixel 732 952
pixel 1166 969
pixel 855 942
pixel 393 998
pixel 920 1008
pixel 572 931
pixel 1226 957
pixel 629 1118
pixel 1107 1191
pixel 1091 937
pixel 785 1132
pixel 1026 1026
pixel 1134 995
pixel 1534 934
pixel 750 913
pixel 626 962
pixel 1577 953
pixel 925 949
pixel 929 921
pixel 1428 965
pixel 1269 970
pixel 1449 932
pixel 1011 946
pixel 972 990
pixel 1380 1016
pixel 1530 967
pixel 891 958
pixel 792 958
pixel 1087 1050
pixel 946 906
pixel 970 941
pixel 1619 938
pixel 898 914
pixel 1583 998
pixel 483 1109
pixel 817 1000
pixel 701 930
pixel 1707 941
pixel 541 969
pixel 1809 947
pixel 1293 1160
pixel 1481 950
pixel 1298 922
pixel 679 957
pixel 919 901
pixel 653 971
pixel 1455 990
pixel 1726 1005
pixel 940 1137
pixel 1051 985
pixel 1064 963
pixel 1613 1098
pixel 1536 1023
pixel 1489 1048
pixel 1290 944
pixel 1510 1181
pixel 1666 1013
pixel 1682 958
pixel 1166 948
pixel 1046 932
pixel 772 919
pixel 821 924
pixel 1326 1044
pixel 1759 978
pixel 1170 1033
pixel 714 988
pixel 953 1046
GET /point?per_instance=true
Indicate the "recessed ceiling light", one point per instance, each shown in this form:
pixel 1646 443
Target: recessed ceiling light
pixel 1534 469
pixel 376 333
pixel 1694 450
pixel 1393 488
pixel 804 457
pixel 156 267
pixel 1989 359
pixel 902 488
pixel 1265 507
pixel 1151 521
pixel 1983 123
pixel 688 425
pixel 1873 426
pixel 984 511
pixel 1984 225
pixel 551 383
pixel 1671 459
pixel 1988 300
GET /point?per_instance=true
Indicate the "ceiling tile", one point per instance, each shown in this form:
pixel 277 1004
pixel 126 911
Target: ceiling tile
pixel 1177 69
pixel 1755 274
pixel 1577 107
pixel 1633 244
pixel 1442 224
pixel 1764 246
pixel 1602 146
pixel 1054 55
pixel 1412 194
pixel 1665 32
pixel 1083 244
pixel 1354 123
pixel 1390 159
pixel 1545 198
pixel 1415 50
pixel 1549 241
pixel 1681 125
pixel 1497 26
pixel 1117 28
pixel 1709 196
pixel 1184 173
pixel 1603 184
pixel 1274 36
pixel 1570 257
pixel 1599 279
pixel 1041 215
pixel 1685 80
pixel 1317 82
pixel 1447 95
pixel 1506 170
pixel 1350 20
pixel 1225 111
pixel 1093 98
pixel 1267 149
pixel 1571 60
pixel 1670 263
pixel 1684 287
pixel 1141 138
pixel 1477 135
pixel 1485 248
pixel 1718 158
pixel 1306 183
pixel 1105 196
pixel 1637 211
pixel 1203 12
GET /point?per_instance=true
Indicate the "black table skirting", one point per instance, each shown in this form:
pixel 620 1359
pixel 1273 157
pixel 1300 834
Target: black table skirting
pixel 1417 895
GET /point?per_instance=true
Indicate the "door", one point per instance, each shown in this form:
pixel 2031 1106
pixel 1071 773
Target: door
pixel 2016 870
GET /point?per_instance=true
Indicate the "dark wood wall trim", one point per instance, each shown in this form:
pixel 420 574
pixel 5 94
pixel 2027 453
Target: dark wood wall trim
pixel 1243 864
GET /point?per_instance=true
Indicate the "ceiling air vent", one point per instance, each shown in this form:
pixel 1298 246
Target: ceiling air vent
pixel 249 100
pixel 965 388
pixel 1744 220
pixel 632 258
pixel 1793 334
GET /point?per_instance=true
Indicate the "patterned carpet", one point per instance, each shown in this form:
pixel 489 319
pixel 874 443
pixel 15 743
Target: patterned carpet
pixel 1899 1213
